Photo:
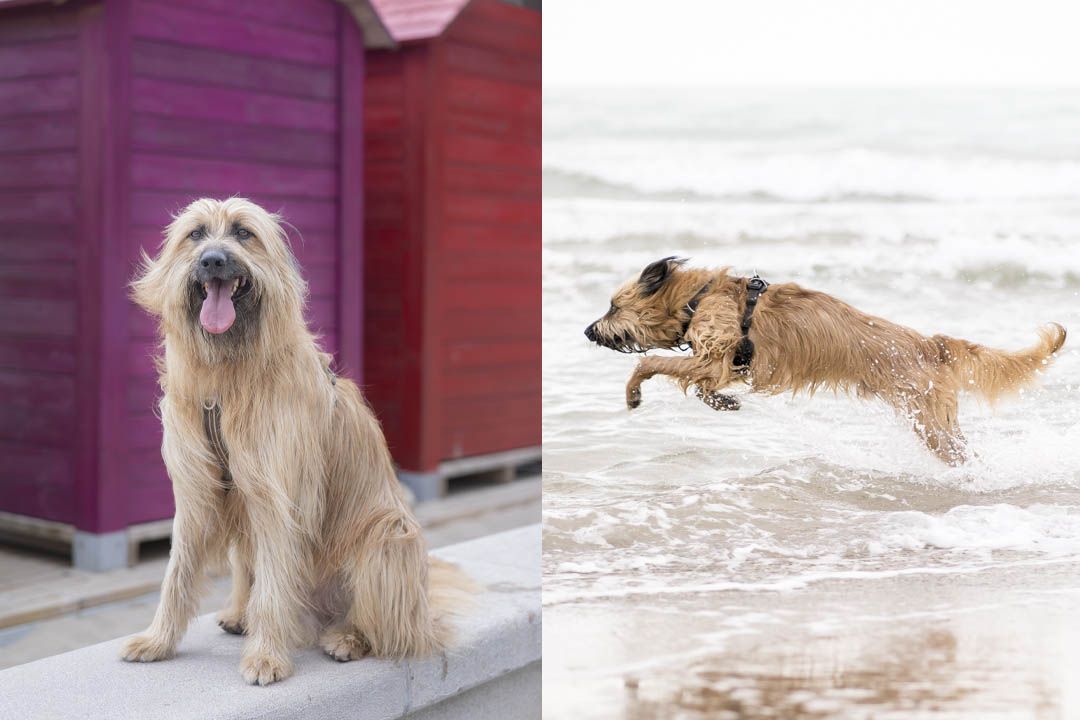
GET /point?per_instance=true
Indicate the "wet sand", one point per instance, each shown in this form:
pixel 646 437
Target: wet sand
pixel 953 649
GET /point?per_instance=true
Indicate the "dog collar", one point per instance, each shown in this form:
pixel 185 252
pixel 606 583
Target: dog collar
pixel 744 351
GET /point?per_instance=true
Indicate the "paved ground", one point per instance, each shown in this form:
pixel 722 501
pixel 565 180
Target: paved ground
pixel 31 583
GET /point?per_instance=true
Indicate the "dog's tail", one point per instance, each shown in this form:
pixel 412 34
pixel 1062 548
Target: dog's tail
pixel 994 374
pixel 450 594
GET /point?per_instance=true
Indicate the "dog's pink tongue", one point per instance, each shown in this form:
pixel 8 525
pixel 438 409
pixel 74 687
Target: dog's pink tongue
pixel 218 313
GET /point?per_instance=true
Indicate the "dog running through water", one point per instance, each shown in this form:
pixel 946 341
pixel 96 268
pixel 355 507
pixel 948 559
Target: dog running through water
pixel 782 337
pixel 277 462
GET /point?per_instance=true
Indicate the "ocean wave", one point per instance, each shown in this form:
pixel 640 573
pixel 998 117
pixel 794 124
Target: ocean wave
pixel 572 184
pixel 966 539
pixel 819 253
pixel 1016 274
pixel 1047 529
pixel 554 595
pixel 849 511
pixel 575 184
pixel 678 169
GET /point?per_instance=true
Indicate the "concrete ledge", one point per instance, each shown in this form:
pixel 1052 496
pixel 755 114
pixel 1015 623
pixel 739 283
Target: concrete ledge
pixel 496 659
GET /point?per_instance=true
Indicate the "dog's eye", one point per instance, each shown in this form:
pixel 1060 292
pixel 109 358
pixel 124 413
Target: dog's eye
pixel 196 234
pixel 613 309
pixel 243 233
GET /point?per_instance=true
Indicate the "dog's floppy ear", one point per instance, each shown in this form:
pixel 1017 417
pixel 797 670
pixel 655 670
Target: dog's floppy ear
pixel 146 287
pixel 656 274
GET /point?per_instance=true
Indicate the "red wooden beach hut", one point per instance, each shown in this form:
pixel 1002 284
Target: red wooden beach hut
pixel 113 114
pixel 452 195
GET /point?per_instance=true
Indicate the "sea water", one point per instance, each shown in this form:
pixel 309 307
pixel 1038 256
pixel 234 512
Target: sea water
pixel 806 557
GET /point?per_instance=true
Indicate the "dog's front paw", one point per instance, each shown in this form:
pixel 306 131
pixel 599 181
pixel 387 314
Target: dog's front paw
pixel 633 398
pixel 343 646
pixel 146 648
pixel 263 668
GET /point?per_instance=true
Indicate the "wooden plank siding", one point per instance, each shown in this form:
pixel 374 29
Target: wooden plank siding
pixel 394 150
pixel 453 231
pixel 227 100
pixel 113 116
pixel 39 161
pixel 490 231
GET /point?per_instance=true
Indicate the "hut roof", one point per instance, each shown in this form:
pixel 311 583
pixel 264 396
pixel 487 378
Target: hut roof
pixel 376 34
pixel 417 19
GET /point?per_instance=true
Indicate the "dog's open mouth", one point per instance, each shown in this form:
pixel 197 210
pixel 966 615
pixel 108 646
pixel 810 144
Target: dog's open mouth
pixel 623 344
pixel 218 309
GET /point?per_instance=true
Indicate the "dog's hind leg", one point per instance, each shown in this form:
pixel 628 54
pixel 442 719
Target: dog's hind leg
pixel 934 420
pixel 344 642
pixel 388 613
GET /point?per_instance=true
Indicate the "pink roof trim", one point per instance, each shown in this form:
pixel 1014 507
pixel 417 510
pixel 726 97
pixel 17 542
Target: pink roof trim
pixel 417 19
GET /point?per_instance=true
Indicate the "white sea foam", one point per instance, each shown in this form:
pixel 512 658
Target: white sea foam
pixel 1048 529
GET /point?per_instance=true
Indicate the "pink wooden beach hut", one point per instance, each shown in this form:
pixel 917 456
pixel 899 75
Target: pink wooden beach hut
pixel 113 114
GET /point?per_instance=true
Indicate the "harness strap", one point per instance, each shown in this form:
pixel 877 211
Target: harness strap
pixel 744 351
pixel 691 308
pixel 212 427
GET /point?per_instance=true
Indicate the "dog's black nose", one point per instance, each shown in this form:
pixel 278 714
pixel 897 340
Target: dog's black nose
pixel 590 332
pixel 213 258
pixel 216 264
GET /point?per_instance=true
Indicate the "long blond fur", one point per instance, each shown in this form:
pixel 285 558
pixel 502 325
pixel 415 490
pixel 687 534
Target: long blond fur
pixel 804 341
pixel 308 509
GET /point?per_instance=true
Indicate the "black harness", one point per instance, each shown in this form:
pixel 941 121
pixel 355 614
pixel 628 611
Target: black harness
pixel 744 351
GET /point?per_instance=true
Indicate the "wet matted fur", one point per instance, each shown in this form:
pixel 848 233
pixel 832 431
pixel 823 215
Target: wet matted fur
pixel 298 488
pixel 805 340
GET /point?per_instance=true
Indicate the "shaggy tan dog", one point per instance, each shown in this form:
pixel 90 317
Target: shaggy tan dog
pixel 798 339
pixel 275 461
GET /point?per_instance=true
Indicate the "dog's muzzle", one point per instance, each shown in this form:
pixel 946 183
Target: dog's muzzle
pixel 618 343
pixel 220 281
pixel 216 264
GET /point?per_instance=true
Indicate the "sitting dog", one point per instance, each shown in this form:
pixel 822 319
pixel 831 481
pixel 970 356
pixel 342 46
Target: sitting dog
pixel 780 338
pixel 277 461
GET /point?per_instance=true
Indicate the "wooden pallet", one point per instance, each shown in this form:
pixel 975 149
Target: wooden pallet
pixel 59 537
pixel 500 467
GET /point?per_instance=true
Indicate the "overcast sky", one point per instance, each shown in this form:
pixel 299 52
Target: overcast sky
pixel 811 42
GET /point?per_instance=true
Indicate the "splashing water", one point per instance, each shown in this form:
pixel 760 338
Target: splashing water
pixel 807 557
